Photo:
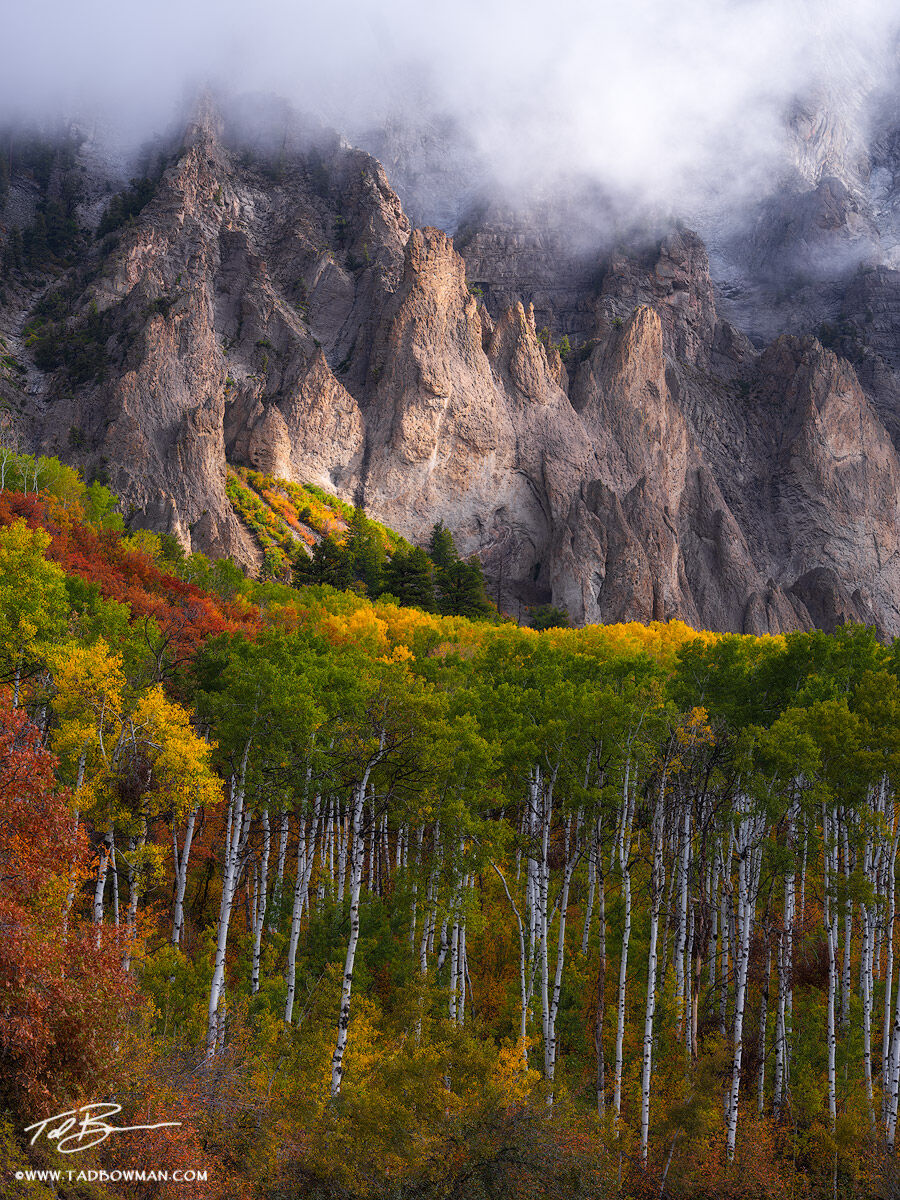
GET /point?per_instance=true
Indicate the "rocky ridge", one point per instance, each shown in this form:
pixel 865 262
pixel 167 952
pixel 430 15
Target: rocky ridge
pixel 276 310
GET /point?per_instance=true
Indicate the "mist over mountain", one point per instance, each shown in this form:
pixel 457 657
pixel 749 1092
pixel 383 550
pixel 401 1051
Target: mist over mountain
pixel 678 105
pixel 614 295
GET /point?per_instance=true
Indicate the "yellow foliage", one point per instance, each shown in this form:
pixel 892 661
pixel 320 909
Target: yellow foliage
pixel 512 1077
pixel 89 684
pixel 181 760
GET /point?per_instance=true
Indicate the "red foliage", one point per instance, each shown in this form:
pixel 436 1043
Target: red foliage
pixel 62 999
pixel 185 614
pixel 35 821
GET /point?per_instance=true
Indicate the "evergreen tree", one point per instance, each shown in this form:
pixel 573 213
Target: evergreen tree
pixel 13 251
pixel 460 589
pixel 442 548
pixel 366 552
pixel 330 564
pixel 459 585
pixel 35 244
pixel 409 577
pixel 549 616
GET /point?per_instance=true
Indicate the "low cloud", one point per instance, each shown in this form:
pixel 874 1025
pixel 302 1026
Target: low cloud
pixel 684 105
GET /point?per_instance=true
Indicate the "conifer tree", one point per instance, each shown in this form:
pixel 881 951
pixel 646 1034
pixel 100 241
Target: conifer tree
pixel 330 564
pixel 408 576
pixel 366 552
pixel 460 589
pixel 459 585
pixel 441 547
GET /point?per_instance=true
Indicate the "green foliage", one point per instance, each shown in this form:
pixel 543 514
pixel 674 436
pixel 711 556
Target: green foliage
pixel 53 239
pixel 459 585
pixel 78 348
pixel 442 547
pixel 330 563
pixel 100 507
pixel 365 547
pixel 459 590
pixel 352 550
pixel 276 543
pixel 125 206
pixel 33 601
pixel 548 616
pixel 497 769
pixel 409 575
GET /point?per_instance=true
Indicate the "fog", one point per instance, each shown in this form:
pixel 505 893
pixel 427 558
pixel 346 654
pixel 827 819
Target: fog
pixel 684 105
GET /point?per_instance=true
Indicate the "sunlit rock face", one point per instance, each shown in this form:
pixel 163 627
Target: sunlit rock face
pixel 586 415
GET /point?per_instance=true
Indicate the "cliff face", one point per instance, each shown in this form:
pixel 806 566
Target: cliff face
pixel 279 312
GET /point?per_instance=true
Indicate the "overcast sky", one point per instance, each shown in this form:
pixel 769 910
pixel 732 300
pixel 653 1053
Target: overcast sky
pixel 644 94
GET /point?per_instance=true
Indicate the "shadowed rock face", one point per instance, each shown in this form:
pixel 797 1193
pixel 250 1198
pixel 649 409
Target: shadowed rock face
pixel 283 315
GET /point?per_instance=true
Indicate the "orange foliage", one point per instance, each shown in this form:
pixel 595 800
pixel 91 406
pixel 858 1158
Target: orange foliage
pixel 61 997
pixel 184 613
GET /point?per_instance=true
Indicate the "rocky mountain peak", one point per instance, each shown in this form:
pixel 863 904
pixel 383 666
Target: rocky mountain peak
pixel 578 412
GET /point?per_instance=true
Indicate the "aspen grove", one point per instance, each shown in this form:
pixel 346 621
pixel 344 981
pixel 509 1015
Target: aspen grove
pixel 378 902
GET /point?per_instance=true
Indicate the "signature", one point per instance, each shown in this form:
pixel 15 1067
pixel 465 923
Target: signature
pixel 81 1128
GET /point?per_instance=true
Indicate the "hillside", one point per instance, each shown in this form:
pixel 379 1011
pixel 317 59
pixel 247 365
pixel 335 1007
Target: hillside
pixel 375 902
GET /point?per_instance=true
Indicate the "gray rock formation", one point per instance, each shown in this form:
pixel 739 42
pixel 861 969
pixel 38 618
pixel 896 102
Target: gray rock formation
pixel 273 308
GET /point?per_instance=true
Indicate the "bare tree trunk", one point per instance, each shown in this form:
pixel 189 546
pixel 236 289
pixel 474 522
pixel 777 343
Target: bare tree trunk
pixel 306 854
pixel 571 861
pixel 238 828
pixel 134 888
pixel 600 1012
pixel 657 881
pixel 763 1015
pixel 357 853
pixel 259 915
pixel 830 915
pixel 284 829
pixel 181 869
pixel 748 878
pixel 624 842
pixel 102 871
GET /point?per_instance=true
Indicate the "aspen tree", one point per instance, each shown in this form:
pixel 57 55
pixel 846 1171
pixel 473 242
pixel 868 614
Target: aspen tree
pixel 747 845
pixel 235 846
pixel 657 880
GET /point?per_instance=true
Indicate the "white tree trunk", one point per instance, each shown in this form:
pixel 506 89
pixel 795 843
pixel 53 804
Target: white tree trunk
pixel 889 970
pixel 454 957
pixel 342 832
pixel 259 915
pixel 571 862
pixel 357 855
pixel 682 928
pixel 625 868
pixel 831 920
pixel 306 855
pixel 748 878
pixel 181 870
pixel 657 882
pixel 284 829
pixel 100 886
pixel 848 925
pixel 593 851
pixel 524 996
pixel 134 888
pixel 238 828
pixel 600 1013
pixel 763 1016
pixel 867 922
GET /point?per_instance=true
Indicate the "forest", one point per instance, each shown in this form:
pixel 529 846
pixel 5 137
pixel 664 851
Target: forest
pixel 380 902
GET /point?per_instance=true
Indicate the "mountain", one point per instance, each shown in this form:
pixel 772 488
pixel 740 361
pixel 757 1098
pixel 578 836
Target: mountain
pixel 607 428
